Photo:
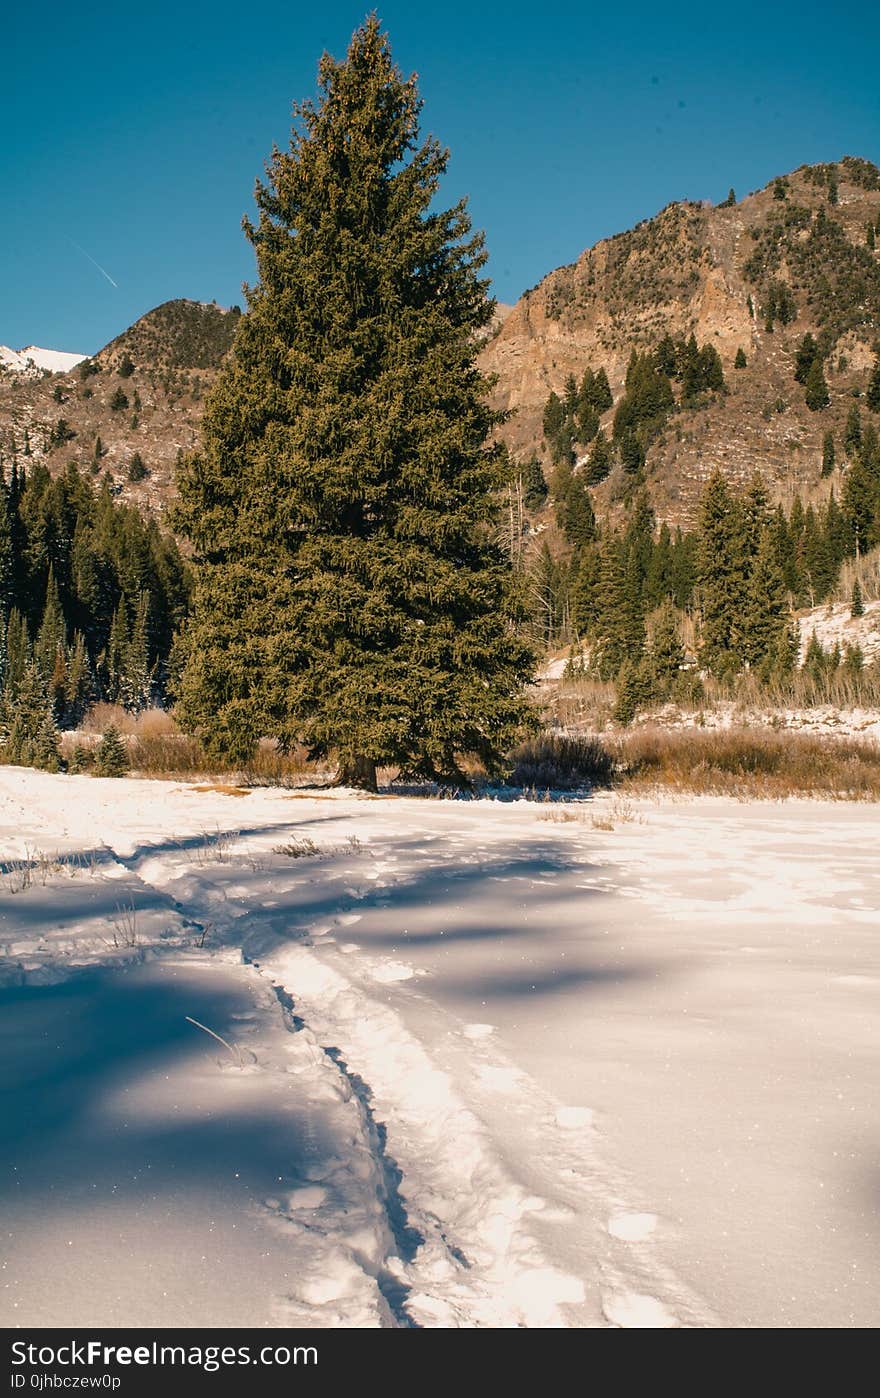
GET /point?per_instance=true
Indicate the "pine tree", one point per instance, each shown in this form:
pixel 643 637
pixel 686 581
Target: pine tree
pixel 79 688
pixel 740 361
pixel 816 395
pixel 599 461
pixel 872 396
pixel 112 756
pixel 859 506
pixel 7 560
pixel 852 433
pixel 575 513
pixel 534 484
pixel 722 566
pixel 135 679
pixel 17 652
pixel 766 616
pixel 827 453
pixel 805 356
pixel 26 722
pixel 857 606
pixel 666 650
pixel 47 745
pixel 584 591
pixel 618 629
pixel 349 591
pixel 634 689
pixel 51 642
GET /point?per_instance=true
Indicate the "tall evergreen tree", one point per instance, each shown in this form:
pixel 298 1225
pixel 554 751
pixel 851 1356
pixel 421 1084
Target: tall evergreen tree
pixel 816 394
pixel 852 433
pixel 599 461
pixel 766 616
pixel 722 564
pixel 805 356
pixel 350 592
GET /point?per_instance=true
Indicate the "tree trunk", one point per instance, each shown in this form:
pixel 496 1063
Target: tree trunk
pixel 359 772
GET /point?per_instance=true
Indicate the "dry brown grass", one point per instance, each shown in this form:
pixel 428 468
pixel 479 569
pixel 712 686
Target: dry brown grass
pixel 748 763
pixel 150 723
pixel 224 788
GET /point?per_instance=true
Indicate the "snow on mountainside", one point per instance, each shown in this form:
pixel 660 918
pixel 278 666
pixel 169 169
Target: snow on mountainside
pixel 834 625
pixel 32 359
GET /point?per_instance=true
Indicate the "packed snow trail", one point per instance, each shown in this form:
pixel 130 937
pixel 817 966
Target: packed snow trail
pixel 597 1076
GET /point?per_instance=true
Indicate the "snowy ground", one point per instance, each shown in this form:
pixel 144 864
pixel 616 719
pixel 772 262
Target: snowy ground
pixel 486 1064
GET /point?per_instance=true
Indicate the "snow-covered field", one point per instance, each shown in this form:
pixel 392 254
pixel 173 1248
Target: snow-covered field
pixel 486 1064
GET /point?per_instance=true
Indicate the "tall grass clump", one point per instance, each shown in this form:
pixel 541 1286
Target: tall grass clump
pixel 748 762
pixel 560 762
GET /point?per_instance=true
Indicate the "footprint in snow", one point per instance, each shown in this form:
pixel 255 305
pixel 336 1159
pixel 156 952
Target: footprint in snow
pixel 632 1228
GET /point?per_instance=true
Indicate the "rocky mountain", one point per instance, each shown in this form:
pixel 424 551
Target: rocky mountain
pixel 128 410
pixel 751 276
pixel 809 243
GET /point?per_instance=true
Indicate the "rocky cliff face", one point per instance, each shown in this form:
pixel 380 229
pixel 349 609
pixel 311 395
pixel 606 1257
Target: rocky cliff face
pixel 713 272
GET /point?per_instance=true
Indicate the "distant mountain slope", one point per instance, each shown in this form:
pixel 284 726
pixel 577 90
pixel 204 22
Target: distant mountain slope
pixel 132 407
pixel 713 272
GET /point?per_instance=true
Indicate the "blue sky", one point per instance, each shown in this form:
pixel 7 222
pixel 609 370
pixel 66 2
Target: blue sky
pixel 133 135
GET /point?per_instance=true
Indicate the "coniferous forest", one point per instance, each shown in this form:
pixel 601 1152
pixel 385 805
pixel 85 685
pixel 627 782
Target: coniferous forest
pixel 91 597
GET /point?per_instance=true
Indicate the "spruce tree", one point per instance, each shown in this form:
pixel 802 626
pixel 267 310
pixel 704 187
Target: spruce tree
pixel 872 396
pixel 722 567
pixel 575 513
pixel 350 592
pixel 666 651
pixel 852 433
pixel 816 395
pixel 599 461
pixel 534 484
pixel 805 356
pixel 827 453
pixel 112 756
pixel 767 614
pixel 26 722
pixel 857 606
pixel 740 360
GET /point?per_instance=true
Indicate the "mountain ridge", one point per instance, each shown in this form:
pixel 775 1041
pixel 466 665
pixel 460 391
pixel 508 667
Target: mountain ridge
pixel 693 268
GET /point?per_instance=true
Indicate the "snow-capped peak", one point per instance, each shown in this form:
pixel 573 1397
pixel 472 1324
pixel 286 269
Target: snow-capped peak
pixel 32 359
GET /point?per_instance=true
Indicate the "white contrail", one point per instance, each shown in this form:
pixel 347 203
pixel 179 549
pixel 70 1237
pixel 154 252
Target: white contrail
pixel 94 263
